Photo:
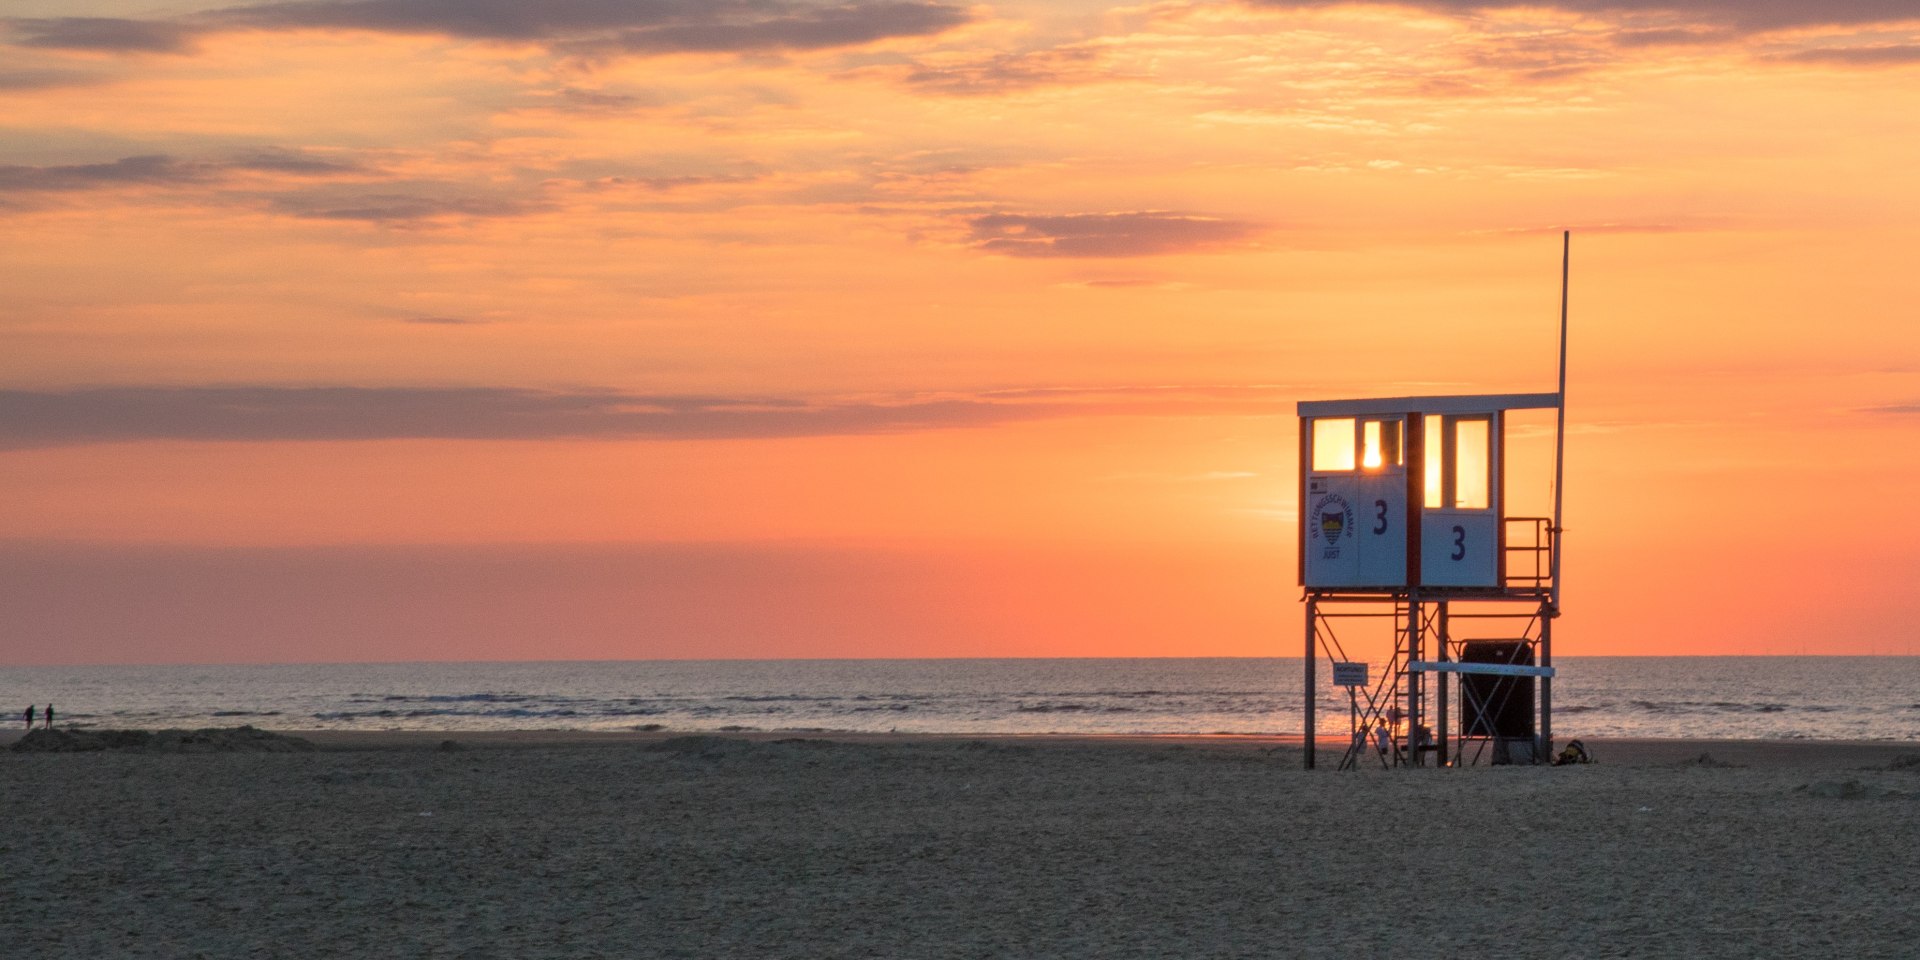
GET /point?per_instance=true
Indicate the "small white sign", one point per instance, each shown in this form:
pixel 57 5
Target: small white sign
pixel 1349 674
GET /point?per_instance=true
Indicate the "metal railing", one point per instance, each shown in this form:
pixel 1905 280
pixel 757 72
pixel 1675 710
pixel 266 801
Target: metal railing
pixel 1529 553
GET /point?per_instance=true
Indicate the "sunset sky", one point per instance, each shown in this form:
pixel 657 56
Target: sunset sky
pixel 344 330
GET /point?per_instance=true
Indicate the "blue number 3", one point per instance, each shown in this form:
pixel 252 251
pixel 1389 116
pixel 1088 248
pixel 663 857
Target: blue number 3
pixel 1459 542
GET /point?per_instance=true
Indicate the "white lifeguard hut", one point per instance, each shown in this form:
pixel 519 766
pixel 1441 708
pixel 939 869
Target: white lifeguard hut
pixel 1403 516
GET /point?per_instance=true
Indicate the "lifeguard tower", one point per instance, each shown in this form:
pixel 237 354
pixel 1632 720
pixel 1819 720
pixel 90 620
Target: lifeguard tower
pixel 1403 518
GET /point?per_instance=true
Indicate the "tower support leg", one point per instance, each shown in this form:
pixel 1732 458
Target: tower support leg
pixel 1313 612
pixel 1416 681
pixel 1544 749
pixel 1440 733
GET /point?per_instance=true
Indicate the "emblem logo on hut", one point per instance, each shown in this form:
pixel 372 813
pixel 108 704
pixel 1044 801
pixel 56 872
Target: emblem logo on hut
pixel 1333 519
pixel 1331 522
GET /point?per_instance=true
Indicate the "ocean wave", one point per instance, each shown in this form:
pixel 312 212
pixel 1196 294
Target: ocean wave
pixel 1839 698
pixel 1725 706
pixel 460 698
pixel 511 713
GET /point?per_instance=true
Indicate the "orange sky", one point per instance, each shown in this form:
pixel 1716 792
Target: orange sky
pixel 391 329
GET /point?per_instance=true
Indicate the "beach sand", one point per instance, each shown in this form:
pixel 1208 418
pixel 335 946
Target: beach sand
pixel 637 845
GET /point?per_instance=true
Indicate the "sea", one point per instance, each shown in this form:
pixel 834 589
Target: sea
pixel 1800 698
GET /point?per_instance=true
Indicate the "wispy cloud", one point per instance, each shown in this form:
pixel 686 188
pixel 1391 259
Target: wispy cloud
pixel 594 27
pixel 574 100
pixel 443 321
pixel 1668 36
pixel 1138 234
pixel 1210 476
pixel 794 27
pixel 102 34
pixel 309 185
pixel 664 183
pixel 292 162
pixel 402 207
pixel 145 169
pixel 1739 16
pixel 1540 57
pixel 1131 283
pixel 31 419
pixel 148 169
pixel 1008 72
pixel 47 79
pixel 476 19
pixel 1888 55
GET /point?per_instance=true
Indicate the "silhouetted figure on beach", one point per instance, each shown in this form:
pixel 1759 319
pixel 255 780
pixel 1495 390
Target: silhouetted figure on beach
pixel 29 716
pixel 49 717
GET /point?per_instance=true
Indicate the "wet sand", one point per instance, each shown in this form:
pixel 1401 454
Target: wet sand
pixel 652 845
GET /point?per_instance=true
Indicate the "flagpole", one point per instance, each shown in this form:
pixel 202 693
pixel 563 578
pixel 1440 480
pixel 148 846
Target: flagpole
pixel 1560 427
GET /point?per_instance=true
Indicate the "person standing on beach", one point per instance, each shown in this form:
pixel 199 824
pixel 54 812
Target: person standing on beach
pixel 49 716
pixel 29 716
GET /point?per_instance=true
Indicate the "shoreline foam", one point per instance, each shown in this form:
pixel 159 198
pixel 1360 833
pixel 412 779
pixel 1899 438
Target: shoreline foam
pixel 1625 751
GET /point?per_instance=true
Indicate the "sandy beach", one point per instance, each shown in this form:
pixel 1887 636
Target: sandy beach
pixel 656 845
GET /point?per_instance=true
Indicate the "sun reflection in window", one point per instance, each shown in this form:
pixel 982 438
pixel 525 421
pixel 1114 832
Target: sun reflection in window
pixel 1430 454
pixel 1333 444
pixel 1473 464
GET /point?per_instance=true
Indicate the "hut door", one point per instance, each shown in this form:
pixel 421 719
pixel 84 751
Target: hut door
pixel 1460 526
pixel 1354 530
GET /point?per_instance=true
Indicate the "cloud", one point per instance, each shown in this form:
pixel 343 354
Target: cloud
pixel 162 169
pixel 1741 16
pixel 1544 57
pixel 578 101
pixel 234 179
pixel 46 79
pixel 799 28
pixel 1877 56
pixel 34 419
pixel 1252 397
pixel 102 34
pixel 1141 234
pixel 1012 71
pixel 1668 37
pixel 118 414
pixel 662 184
pixel 1896 409
pixel 293 162
pixel 595 27
pixel 477 19
pixel 145 169
pixel 443 321
pixel 397 207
